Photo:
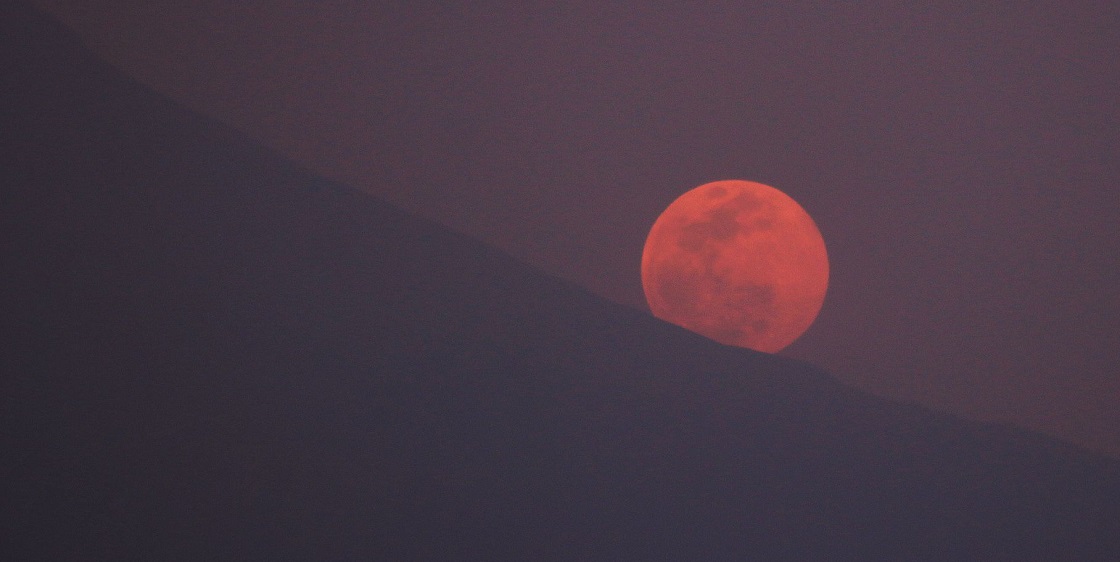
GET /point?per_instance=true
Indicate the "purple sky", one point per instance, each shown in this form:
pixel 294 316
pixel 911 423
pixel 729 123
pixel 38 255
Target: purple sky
pixel 961 162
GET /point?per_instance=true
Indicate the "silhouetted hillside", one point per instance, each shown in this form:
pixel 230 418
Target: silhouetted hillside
pixel 209 353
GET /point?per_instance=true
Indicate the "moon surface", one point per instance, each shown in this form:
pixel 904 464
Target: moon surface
pixel 737 261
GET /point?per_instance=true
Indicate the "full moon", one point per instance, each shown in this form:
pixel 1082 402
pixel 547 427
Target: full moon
pixel 737 261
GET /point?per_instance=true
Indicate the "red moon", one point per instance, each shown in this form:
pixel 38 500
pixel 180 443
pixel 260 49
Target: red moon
pixel 737 261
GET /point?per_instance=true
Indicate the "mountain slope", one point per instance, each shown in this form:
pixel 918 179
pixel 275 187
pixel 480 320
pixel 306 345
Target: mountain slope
pixel 212 354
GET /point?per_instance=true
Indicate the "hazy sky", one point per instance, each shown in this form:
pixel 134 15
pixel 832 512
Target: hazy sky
pixel 960 161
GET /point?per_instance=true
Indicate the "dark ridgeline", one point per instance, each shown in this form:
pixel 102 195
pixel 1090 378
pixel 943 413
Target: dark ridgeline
pixel 209 353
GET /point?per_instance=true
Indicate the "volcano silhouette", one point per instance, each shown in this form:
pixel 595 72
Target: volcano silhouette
pixel 210 353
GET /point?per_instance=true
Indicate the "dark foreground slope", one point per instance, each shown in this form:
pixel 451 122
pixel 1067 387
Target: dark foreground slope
pixel 208 353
